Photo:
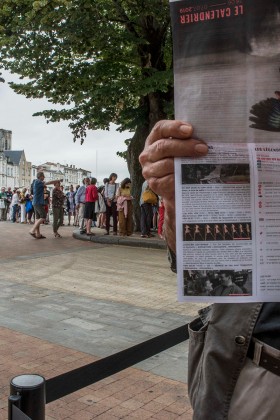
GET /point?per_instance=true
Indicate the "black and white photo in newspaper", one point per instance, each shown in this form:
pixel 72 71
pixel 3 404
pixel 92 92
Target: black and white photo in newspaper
pixel 227 85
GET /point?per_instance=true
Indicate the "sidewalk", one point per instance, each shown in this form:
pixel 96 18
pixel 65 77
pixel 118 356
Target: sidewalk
pixel 135 240
pixel 130 394
pixel 65 303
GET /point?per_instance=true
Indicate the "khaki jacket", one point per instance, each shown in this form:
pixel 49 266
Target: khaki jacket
pixel 218 345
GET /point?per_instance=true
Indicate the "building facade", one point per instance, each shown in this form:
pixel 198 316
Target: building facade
pixel 69 174
pixel 17 172
pixel 14 168
pixel 6 171
pixel 21 168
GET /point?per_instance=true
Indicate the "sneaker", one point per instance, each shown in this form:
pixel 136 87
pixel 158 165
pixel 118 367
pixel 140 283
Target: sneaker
pixel 106 233
pixel 82 232
pixel 144 236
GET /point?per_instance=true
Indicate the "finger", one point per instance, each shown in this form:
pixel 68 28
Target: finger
pixel 172 148
pixel 166 129
pixel 164 186
pixel 158 169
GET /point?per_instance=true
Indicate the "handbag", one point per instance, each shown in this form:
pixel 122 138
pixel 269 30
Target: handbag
pixel 2 203
pixel 102 205
pixel 28 206
pixel 149 197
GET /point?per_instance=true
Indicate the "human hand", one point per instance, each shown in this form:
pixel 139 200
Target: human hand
pixel 168 139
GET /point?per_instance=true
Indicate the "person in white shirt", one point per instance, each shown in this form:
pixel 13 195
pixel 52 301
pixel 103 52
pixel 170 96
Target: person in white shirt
pixel 110 192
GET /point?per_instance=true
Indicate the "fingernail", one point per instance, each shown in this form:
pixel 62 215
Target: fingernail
pixel 185 129
pixel 201 148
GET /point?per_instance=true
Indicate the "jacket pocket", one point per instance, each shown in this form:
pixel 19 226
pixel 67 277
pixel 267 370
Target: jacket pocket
pixel 197 333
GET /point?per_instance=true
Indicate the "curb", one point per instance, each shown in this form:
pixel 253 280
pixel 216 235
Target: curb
pixel 136 241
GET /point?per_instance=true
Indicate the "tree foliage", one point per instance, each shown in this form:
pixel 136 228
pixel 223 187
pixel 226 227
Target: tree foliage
pixel 104 61
pixel 99 58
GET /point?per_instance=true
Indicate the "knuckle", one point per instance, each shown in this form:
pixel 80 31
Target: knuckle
pixel 153 183
pixel 143 157
pixel 158 127
pixel 160 146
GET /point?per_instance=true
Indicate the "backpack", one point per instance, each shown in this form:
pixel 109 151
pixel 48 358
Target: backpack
pixel 149 197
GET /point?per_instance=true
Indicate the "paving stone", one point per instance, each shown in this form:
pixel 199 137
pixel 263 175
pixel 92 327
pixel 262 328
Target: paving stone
pixel 79 302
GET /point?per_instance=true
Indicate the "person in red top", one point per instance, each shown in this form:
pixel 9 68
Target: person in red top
pixel 91 198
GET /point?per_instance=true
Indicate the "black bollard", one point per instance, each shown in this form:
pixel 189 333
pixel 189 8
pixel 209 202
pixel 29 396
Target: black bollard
pixel 32 392
pixel 13 401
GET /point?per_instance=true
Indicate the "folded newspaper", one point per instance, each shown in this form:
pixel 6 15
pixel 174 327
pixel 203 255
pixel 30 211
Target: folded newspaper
pixel 227 85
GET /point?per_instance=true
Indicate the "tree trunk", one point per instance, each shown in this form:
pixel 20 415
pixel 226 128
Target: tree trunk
pixel 134 149
pixel 154 102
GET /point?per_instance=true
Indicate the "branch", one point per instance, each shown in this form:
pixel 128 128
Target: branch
pixel 129 25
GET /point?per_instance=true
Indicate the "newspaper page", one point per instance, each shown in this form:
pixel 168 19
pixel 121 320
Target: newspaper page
pixel 227 85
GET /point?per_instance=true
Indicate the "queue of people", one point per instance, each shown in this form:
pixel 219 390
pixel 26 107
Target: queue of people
pixel 110 203
pixel 16 205
pixel 108 207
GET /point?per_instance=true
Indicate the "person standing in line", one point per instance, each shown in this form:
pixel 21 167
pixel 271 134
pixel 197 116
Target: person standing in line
pixel 22 202
pixel 102 214
pixel 91 198
pixel 39 205
pixel 155 216
pixel 9 200
pixel 70 204
pixel 110 192
pixel 146 214
pixel 125 208
pixel 76 218
pixel 47 200
pixel 29 207
pixel 161 218
pixel 80 199
pixel 100 207
pixel 64 204
pixel 3 210
pixel 57 208
pixel 15 206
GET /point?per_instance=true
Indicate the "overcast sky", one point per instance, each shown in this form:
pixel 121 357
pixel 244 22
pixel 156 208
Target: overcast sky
pixel 53 142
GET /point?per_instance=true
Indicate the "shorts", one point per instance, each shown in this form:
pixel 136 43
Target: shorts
pixel 40 212
pixel 89 212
